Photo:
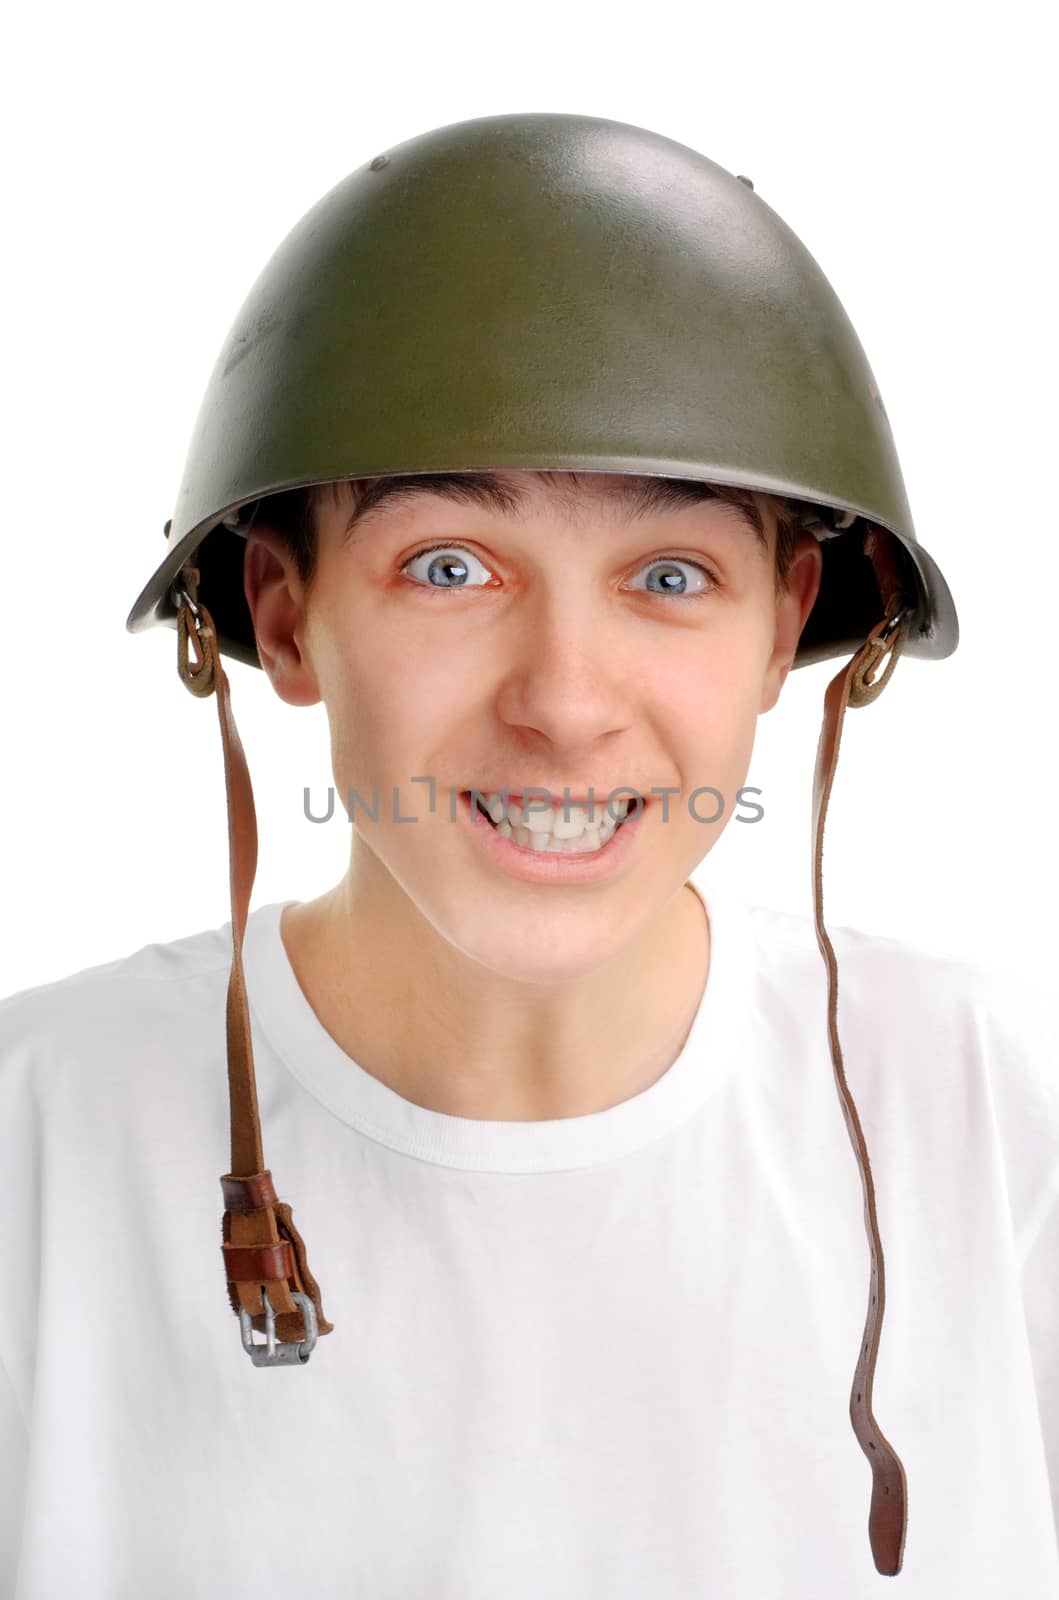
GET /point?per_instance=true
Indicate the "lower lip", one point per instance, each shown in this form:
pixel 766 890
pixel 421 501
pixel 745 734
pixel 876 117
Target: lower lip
pixel 542 866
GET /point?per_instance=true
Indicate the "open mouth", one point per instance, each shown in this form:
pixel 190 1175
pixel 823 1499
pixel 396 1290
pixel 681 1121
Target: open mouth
pixel 575 830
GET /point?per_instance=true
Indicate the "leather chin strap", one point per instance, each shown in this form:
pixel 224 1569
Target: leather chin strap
pixel 263 1252
pixel 857 685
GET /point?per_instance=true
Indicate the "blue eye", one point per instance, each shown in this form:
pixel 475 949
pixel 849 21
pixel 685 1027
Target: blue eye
pixel 447 569
pixel 674 582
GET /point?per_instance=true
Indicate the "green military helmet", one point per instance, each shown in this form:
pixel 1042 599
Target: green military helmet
pixel 545 291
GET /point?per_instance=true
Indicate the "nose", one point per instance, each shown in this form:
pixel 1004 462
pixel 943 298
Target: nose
pixel 565 678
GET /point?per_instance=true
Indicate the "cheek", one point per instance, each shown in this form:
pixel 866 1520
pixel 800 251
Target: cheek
pixel 388 695
pixel 707 704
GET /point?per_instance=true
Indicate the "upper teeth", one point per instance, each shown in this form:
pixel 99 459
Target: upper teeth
pixel 553 821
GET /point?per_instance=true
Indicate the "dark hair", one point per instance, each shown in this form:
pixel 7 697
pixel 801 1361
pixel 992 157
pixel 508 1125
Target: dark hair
pixel 292 514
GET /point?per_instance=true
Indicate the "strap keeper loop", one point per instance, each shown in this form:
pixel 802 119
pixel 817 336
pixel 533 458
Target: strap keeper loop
pixel 252 1193
pixel 258 1263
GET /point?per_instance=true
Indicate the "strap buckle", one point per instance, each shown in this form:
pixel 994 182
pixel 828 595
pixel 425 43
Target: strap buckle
pixel 273 1353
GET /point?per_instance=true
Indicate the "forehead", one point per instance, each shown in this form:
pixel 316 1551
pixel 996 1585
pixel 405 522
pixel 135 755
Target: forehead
pixel 516 494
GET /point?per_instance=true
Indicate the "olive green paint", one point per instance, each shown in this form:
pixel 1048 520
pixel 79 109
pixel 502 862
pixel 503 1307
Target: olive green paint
pixel 547 291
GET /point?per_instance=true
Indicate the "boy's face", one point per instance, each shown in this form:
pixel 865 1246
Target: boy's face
pixel 581 649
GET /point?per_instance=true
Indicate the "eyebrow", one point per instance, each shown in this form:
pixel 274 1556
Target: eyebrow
pixel 636 497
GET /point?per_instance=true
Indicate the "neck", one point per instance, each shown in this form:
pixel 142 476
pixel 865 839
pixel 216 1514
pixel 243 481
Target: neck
pixel 454 1036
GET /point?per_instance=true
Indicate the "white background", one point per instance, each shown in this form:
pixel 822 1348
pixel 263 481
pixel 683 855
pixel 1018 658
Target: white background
pixel 156 157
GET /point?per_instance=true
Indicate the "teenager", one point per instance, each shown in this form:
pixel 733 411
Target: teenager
pixel 540 453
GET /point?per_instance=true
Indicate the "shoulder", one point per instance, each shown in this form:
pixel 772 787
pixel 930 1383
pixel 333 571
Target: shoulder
pixel 103 1009
pixel 949 1046
pixel 901 982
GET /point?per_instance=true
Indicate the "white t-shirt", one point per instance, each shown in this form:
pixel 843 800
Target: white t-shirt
pixel 606 1357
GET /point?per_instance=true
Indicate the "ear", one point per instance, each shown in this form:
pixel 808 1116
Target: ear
pixel 276 597
pixel 792 611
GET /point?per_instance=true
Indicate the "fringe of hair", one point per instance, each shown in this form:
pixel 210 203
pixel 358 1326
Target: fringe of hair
pixel 293 516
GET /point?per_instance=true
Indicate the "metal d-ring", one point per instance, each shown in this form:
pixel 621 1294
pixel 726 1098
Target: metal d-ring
pixel 895 622
pixel 179 596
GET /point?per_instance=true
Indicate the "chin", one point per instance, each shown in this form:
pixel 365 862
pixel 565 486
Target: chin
pixel 542 949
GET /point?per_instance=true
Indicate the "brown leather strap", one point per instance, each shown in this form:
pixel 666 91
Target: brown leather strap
pixel 857 685
pixel 262 1263
pixel 248 1194
pixel 261 1246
